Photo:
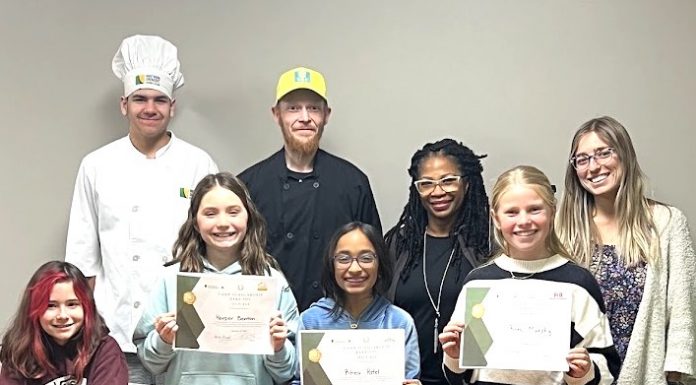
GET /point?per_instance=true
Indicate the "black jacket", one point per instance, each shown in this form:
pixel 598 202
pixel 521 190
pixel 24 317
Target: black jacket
pixel 343 195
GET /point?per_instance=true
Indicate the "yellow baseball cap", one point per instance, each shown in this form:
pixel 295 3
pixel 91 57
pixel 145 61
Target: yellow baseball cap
pixel 301 78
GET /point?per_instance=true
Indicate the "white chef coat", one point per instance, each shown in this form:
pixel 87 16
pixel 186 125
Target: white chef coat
pixel 125 216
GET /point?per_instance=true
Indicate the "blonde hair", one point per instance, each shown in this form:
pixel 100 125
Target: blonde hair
pixel 638 239
pixel 533 178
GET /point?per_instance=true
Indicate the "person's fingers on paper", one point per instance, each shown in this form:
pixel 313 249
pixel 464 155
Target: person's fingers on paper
pixel 454 325
pixel 579 362
pixel 166 327
pixel 277 320
pixel 164 319
pixel 279 332
pixel 279 329
pixel 167 331
pixel 449 338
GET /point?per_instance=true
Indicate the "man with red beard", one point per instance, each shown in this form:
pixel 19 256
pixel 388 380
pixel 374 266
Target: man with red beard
pixel 132 195
pixel 303 192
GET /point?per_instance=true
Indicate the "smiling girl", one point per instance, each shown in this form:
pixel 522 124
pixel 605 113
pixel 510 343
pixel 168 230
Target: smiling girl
pixel 522 210
pixel 57 336
pixel 224 234
pixel 356 273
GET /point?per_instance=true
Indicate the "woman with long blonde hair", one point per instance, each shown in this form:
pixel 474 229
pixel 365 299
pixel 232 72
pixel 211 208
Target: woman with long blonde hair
pixel 639 250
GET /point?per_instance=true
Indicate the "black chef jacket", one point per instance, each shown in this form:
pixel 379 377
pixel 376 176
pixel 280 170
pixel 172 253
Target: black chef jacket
pixel 336 193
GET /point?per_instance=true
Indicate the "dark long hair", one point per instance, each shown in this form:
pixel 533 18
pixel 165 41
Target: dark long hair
pixel 384 264
pixel 190 249
pixel 472 221
pixel 25 346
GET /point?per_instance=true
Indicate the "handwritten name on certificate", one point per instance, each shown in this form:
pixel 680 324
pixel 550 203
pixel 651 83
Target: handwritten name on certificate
pixel 222 313
pixel 349 357
pixel 516 324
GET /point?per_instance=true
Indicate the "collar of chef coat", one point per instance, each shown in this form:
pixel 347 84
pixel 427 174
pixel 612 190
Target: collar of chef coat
pixel 159 152
pixel 281 169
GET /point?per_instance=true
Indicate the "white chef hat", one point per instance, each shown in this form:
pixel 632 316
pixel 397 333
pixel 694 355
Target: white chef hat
pixel 147 62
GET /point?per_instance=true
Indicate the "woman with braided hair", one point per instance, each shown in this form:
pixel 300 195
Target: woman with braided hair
pixel 441 235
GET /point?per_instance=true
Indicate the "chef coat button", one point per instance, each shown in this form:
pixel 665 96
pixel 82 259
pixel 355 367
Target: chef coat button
pixel 286 186
pixel 136 258
pixel 165 259
pixel 290 235
pixel 316 235
pixel 136 304
pixel 134 209
pixel 315 284
pixel 315 185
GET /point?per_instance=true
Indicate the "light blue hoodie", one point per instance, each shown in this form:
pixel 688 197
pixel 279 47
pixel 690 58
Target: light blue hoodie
pixel 193 368
pixel 380 314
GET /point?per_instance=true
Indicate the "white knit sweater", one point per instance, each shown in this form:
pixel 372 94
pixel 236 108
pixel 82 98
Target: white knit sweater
pixel 664 333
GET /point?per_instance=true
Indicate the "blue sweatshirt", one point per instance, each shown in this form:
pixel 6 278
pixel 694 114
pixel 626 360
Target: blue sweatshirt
pixel 380 314
pixel 193 367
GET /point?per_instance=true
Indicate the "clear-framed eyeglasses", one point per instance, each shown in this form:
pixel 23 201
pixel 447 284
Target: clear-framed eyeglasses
pixel 600 156
pixel 448 184
pixel 364 260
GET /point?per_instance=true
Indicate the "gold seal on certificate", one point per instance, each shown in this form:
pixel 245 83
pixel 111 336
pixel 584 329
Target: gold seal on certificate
pixel 222 313
pixel 314 355
pixel 349 357
pixel 189 298
pixel 477 310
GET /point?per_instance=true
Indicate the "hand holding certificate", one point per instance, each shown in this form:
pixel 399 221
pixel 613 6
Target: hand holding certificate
pixel 227 314
pixel 514 324
pixel 166 327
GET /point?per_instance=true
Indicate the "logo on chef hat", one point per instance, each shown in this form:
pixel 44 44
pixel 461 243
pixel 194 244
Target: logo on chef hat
pixel 185 192
pixel 147 79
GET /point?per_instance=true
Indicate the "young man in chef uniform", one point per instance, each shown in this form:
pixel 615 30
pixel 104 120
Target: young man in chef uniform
pixel 132 195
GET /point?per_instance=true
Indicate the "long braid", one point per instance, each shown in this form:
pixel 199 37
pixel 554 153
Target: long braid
pixel 472 218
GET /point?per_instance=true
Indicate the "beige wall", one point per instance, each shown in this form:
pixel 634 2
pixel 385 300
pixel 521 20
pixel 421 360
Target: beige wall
pixel 512 79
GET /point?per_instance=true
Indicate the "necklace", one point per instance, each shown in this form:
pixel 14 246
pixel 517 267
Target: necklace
pixel 521 277
pixel 436 307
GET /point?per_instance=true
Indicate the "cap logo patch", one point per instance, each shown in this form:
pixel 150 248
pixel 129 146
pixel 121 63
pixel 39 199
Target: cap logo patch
pixel 147 79
pixel 302 77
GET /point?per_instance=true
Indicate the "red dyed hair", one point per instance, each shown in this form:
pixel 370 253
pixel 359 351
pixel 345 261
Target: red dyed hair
pixel 24 351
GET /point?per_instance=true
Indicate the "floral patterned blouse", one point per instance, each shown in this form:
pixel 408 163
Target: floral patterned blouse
pixel 622 288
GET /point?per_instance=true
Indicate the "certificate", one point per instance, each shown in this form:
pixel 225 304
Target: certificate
pixel 343 357
pixel 222 313
pixel 516 324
